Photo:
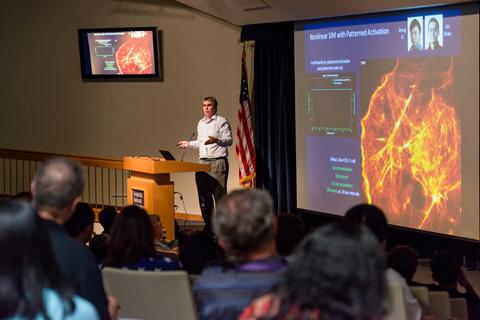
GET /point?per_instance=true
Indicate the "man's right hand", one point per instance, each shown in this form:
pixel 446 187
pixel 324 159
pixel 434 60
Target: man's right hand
pixel 183 144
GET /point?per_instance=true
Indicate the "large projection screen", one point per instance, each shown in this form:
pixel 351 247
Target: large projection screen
pixel 387 112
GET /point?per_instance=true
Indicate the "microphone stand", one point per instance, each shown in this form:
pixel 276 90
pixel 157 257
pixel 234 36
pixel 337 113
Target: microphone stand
pixel 184 151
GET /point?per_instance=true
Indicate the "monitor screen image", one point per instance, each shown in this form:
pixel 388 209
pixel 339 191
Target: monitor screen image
pixel 119 52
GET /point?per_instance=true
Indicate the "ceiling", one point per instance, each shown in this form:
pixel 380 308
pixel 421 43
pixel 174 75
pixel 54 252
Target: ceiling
pixel 244 12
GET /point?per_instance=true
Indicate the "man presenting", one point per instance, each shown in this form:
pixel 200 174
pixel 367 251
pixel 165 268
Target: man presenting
pixel 213 138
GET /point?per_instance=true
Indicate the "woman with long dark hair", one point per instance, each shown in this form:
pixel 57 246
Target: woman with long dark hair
pixel 132 243
pixel 31 284
pixel 337 272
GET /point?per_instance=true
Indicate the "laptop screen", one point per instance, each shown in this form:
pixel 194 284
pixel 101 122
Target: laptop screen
pixel 166 154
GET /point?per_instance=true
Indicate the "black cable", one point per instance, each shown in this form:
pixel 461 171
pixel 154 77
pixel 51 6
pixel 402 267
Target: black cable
pixel 184 209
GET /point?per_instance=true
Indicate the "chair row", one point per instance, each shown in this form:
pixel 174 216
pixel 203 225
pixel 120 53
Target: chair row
pixel 440 304
pixel 146 295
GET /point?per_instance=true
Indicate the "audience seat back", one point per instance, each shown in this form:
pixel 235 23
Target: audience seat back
pixel 459 308
pixel 151 295
pixel 440 304
pixel 397 302
pixel 421 293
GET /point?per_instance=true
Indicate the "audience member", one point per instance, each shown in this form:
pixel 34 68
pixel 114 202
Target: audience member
pixel 98 246
pixel 290 232
pixel 244 224
pixel 159 233
pixel 448 274
pixel 32 286
pixel 106 217
pixel 132 243
pixel 99 242
pixel 376 221
pixel 198 249
pixel 57 188
pixel 335 273
pixel 404 260
pixel 80 224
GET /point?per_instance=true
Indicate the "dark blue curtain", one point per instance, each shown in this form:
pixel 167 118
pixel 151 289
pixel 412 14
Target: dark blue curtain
pixel 274 113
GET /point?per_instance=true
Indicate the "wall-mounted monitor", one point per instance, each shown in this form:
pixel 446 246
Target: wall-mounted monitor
pixel 117 53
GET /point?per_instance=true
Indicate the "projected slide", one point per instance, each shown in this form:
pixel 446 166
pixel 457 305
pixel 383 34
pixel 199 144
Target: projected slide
pixel 122 52
pixel 387 113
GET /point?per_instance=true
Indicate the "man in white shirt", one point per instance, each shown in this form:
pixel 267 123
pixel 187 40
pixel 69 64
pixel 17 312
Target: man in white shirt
pixel 214 135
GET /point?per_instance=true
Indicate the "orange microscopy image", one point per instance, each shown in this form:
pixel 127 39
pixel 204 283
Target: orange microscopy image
pixel 135 56
pixel 411 147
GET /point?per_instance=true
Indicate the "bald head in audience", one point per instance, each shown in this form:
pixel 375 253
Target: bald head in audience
pixel 57 188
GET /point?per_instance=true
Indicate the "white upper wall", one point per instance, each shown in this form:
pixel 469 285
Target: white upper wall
pixel 243 12
pixel 45 106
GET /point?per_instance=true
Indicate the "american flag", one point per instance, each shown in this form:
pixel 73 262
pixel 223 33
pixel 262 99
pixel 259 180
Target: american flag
pixel 244 149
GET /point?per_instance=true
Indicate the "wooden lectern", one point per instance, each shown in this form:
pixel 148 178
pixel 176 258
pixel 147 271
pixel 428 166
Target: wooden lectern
pixel 149 186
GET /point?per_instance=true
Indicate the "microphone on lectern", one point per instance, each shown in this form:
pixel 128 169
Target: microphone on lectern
pixel 185 150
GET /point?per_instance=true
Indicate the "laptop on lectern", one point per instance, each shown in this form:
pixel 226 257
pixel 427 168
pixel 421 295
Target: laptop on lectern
pixel 166 154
